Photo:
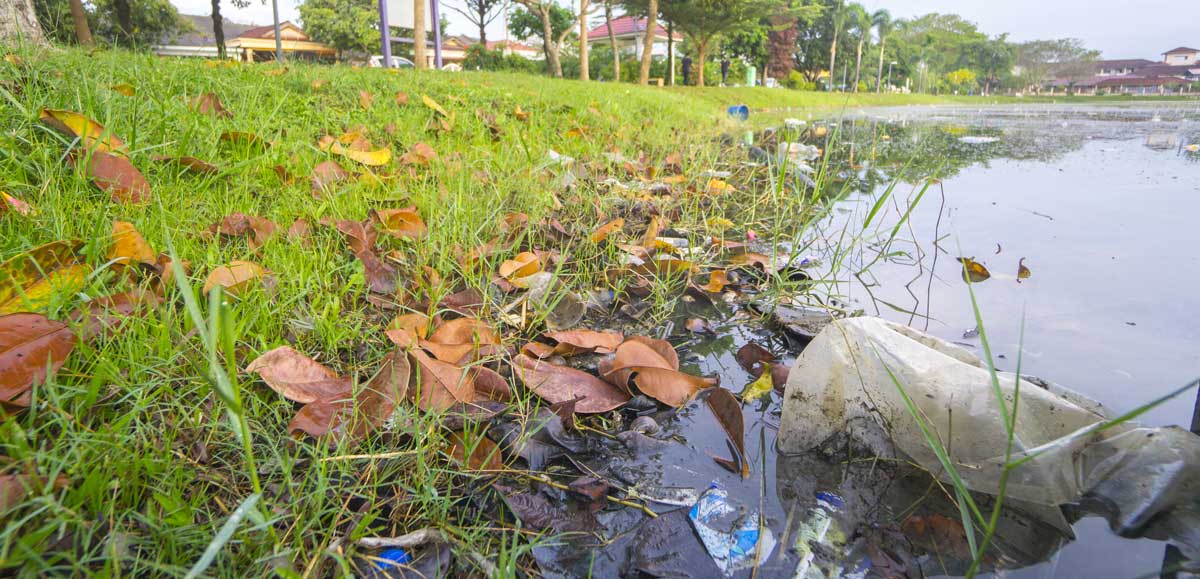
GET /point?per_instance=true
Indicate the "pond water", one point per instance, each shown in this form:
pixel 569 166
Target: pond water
pixel 1101 204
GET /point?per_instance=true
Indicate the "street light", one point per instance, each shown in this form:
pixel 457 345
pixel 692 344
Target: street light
pixel 890 74
pixel 278 40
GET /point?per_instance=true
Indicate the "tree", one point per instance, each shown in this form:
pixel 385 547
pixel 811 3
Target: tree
pixel 124 22
pixel 783 28
pixel 1040 60
pixel 612 39
pixel 83 33
pixel 882 19
pixel 480 13
pixel 218 23
pixel 18 23
pixel 548 21
pixel 652 9
pixel 860 21
pixel 706 22
pixel 838 16
pixel 342 24
pixel 419 59
pixel 584 72
pixel 961 80
pixel 73 21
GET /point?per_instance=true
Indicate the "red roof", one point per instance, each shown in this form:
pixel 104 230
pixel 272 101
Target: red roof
pixel 516 46
pixel 1181 49
pixel 1140 81
pixel 625 26
pixel 268 31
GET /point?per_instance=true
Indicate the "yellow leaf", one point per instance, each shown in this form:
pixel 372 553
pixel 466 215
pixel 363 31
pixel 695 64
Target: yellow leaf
pixel 674 179
pixel 28 280
pixel 602 232
pixel 435 106
pixel 521 115
pixel 128 245
pixel 718 223
pixel 973 271
pixel 75 125
pixel 233 277
pixel 524 264
pixel 369 158
pixel 717 187
pixel 1022 271
pixel 759 388
pixel 124 88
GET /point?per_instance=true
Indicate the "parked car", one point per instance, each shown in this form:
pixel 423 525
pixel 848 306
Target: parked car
pixel 397 62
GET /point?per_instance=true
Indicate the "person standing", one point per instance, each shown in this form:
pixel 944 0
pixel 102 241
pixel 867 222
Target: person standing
pixel 687 70
pixel 724 71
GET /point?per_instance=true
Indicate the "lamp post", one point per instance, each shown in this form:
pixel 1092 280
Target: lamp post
pixel 889 82
pixel 385 34
pixel 278 40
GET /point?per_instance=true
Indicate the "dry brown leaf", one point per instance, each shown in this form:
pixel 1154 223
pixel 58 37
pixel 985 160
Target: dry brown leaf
pixel 365 100
pixel 572 342
pixel 115 175
pixel 402 98
pixel 524 264
pixel 326 174
pixel 255 229
pixel 420 154
pixel 209 104
pixel 484 456
pixel 404 223
pixel 109 313
pixel 717 280
pixel 235 277
pixel 728 412
pixel 558 384
pixel 298 377
pixel 357 415
pixel 30 346
pixel 653 366
pixel 438 386
pixel 191 165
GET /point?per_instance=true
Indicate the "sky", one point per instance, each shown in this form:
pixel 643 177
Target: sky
pixel 1119 29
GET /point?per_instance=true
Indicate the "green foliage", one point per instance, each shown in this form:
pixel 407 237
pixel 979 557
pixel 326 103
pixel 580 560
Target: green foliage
pixel 153 20
pixel 797 81
pixel 480 58
pixel 343 24
pixel 524 23
pixel 961 80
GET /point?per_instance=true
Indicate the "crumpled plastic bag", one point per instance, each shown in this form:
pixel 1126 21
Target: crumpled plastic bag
pixel 839 386
pixel 731 536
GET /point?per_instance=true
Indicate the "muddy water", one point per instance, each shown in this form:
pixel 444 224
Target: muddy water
pixel 1100 202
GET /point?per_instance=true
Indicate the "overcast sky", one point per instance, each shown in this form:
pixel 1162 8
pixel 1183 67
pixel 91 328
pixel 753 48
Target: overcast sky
pixel 1120 29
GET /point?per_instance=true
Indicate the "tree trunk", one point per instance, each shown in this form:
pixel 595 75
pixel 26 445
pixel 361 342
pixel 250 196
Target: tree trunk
pixel 18 23
pixel 584 65
pixel 670 53
pixel 83 33
pixel 419 34
pixel 124 22
pixel 648 42
pixel 701 55
pixel 551 48
pixel 832 58
pixel 218 30
pixel 858 63
pixel 483 33
pixel 612 40
pixel 879 74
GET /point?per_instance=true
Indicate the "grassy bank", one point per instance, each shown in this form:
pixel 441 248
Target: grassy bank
pixel 138 450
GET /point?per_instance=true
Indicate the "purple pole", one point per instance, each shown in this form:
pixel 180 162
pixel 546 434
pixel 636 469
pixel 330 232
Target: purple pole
pixel 387 34
pixel 437 34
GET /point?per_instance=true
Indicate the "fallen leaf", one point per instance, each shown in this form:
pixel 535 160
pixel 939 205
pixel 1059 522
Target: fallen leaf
pixel 191 165
pixel 124 89
pixel 524 264
pixel 460 340
pixel 438 385
pixel 128 245
pixel 937 533
pixel 698 326
pixel 1022 271
pixel 299 231
pixel 298 377
pixel 407 329
pixel 973 271
pixel 402 98
pixel 729 415
pixel 717 280
pixel 30 346
pixel 326 174
pixel 277 71
pixel 575 132
pixel 76 126
pixel 354 147
pixel 115 175
pixel 751 355
pixel 750 258
pixel 521 115
pixel 209 104
pixel 29 280
pixel 15 488
pixel 540 514
pixel 653 366
pixel 404 223
pixel 420 154
pixel 572 342
pixel 484 455
pixel 759 388
pixel 718 187
pixel 256 229
pixel 10 203
pixel 602 232
pixel 353 417
pixel 233 278
pixel 652 229
pixel 557 384
pixel 468 302
pixel 318 83
pixel 365 100
pixel 109 313
pixel 490 384
pixel 381 277
pixel 434 106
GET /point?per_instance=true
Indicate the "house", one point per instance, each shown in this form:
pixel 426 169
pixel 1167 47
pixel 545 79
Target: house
pixel 517 48
pixel 630 33
pixel 1176 73
pixel 1182 56
pixel 243 42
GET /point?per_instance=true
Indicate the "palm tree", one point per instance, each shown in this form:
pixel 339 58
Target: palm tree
pixel 837 14
pixel 861 21
pixel 883 27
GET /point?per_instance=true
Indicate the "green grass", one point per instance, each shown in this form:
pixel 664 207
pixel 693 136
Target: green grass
pixel 160 435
